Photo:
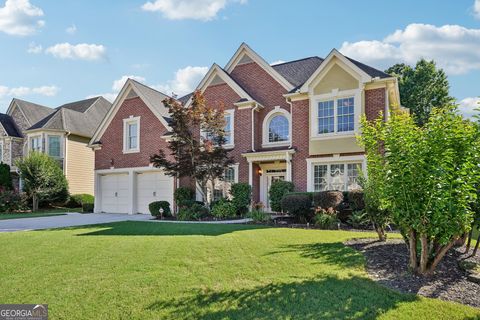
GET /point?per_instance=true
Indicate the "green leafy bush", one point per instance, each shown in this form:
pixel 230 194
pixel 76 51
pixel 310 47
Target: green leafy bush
pixel 155 207
pixel 87 207
pixel 5 177
pixel 77 200
pixel 259 216
pixel 326 219
pixel 278 189
pixel 327 199
pixel 359 219
pixel 183 194
pixel 11 201
pixel 298 205
pixel 195 212
pixel 356 199
pixel 241 197
pixel 224 209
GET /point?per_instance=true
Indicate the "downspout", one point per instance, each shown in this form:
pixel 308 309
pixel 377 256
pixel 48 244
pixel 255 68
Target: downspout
pixel 253 126
pixel 289 101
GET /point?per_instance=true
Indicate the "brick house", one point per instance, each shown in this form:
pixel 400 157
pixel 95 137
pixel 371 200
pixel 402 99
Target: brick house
pixel 293 121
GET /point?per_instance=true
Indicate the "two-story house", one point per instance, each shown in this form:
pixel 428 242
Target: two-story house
pixel 295 121
pixel 63 133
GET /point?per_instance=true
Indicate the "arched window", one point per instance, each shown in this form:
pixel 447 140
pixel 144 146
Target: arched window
pixel 278 129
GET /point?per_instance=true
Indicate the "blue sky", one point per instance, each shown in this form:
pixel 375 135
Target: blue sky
pixel 54 52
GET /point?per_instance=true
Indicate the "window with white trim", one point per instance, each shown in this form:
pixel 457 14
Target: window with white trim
pixel 336 176
pixel 336 115
pixel 54 146
pixel 228 130
pixel 278 129
pixel 222 187
pixel 131 135
pixel 36 143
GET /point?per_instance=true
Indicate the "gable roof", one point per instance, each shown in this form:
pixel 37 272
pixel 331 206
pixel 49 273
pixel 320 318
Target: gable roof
pixel 79 117
pixel 8 124
pixel 33 112
pixel 152 98
pixel 371 71
pixel 298 71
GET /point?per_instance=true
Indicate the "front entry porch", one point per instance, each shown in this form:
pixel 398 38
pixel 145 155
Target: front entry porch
pixel 265 168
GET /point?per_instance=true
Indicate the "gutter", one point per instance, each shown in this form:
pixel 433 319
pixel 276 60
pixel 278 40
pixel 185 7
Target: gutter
pixel 253 125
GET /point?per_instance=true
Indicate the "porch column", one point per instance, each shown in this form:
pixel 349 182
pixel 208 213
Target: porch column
pixel 289 167
pixel 132 196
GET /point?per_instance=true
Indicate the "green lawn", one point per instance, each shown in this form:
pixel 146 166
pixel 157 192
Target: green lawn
pixel 146 270
pixel 39 213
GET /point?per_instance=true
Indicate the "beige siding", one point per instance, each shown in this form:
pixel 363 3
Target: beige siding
pixel 332 146
pixel 336 78
pixel 79 165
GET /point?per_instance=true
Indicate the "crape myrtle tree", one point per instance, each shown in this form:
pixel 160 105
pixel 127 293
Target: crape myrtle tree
pixel 376 203
pixel 430 180
pixel 421 88
pixel 200 157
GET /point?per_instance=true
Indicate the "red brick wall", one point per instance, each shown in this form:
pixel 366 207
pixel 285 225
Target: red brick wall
pixel 300 141
pixel 263 88
pixel 151 130
pixel 374 103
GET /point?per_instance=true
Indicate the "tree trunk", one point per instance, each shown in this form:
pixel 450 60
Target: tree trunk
pixel 423 255
pixel 469 241
pixel 381 234
pixel 34 202
pixel 476 246
pixel 412 249
pixel 439 256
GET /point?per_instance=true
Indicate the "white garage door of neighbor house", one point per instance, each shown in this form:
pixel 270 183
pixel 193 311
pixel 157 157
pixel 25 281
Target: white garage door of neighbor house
pixel 114 193
pixel 153 186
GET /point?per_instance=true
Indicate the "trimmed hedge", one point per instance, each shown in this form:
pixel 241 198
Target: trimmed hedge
pixel 278 189
pixel 77 200
pixel 327 199
pixel 224 209
pixel 87 207
pixel 155 207
pixel 196 211
pixel 355 199
pixel 241 197
pixel 298 205
pixel 183 194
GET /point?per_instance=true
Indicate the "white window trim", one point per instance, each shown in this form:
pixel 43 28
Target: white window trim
pixel 47 147
pixel 126 122
pixel 335 95
pixel 231 113
pixel 266 123
pixel 332 160
pixel 30 138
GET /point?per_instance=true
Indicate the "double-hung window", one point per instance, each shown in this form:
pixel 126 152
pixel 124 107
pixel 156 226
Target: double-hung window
pixel 228 128
pixel 54 146
pixel 36 143
pixel 336 115
pixel 131 135
pixel 336 176
pixel 222 187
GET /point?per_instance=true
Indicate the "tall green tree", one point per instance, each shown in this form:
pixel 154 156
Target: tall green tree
pixel 43 179
pixel 430 180
pixel 5 177
pixel 200 157
pixel 422 88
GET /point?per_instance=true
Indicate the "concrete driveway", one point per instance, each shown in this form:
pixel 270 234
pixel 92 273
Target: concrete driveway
pixel 69 220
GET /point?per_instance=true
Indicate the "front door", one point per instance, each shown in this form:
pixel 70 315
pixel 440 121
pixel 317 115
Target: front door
pixel 274 175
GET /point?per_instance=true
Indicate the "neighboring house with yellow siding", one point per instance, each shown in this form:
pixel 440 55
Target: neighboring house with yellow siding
pixel 63 133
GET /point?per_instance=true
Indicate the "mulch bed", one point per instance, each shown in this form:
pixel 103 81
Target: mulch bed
pixel 387 263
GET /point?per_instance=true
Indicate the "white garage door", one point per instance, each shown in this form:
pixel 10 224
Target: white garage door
pixel 153 186
pixel 114 193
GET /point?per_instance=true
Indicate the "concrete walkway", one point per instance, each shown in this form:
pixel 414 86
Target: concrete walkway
pixel 68 220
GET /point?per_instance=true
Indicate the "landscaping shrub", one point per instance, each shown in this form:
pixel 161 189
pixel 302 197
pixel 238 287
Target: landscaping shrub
pixel 183 194
pixel 278 189
pixel 5 177
pixel 155 207
pixel 298 205
pixel 327 199
pixel 259 216
pixel 195 212
pixel 359 219
pixel 87 207
pixel 355 199
pixel 11 201
pixel 326 218
pixel 77 200
pixel 224 209
pixel 241 197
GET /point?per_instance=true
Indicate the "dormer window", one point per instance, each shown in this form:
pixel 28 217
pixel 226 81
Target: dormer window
pixel 131 135
pixel 276 128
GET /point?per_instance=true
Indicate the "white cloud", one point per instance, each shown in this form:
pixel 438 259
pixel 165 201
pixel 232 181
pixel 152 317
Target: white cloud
pixel 20 18
pixel 468 105
pixel 277 62
pixel 82 51
pixel 117 86
pixel 185 81
pixel 72 29
pixel 48 91
pixel 476 9
pixel 455 48
pixel 204 10
pixel 34 48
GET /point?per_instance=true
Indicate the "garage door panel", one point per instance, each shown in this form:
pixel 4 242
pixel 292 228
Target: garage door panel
pixel 153 187
pixel 114 193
